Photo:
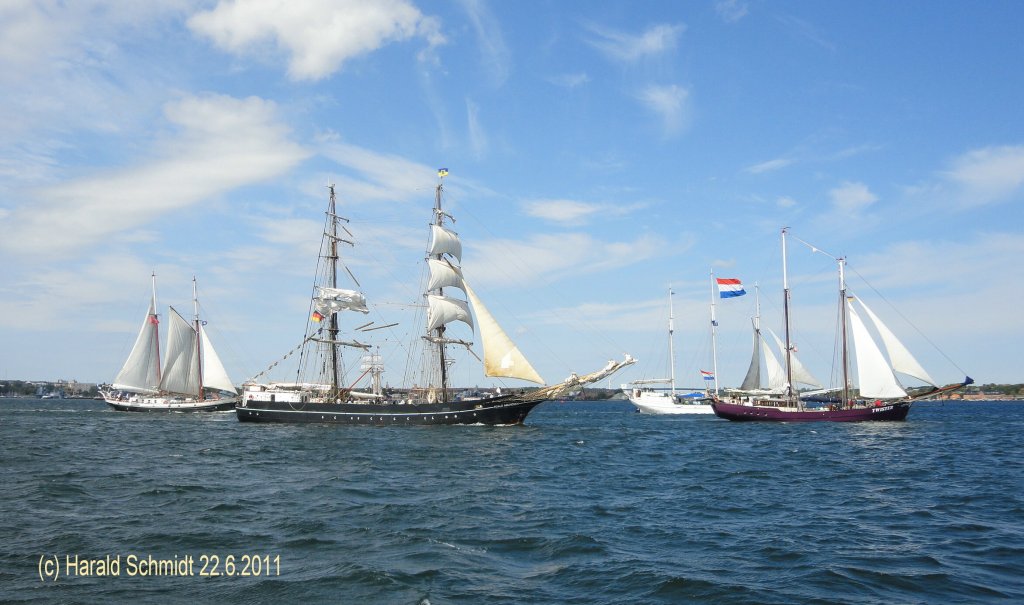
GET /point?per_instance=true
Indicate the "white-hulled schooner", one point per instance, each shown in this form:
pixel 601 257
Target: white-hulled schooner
pixel 192 378
pixel 318 393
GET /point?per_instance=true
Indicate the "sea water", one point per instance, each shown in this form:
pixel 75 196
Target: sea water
pixel 585 503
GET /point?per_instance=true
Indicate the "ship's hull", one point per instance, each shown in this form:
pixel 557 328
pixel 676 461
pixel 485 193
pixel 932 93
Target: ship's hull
pixel 668 407
pixel 506 410
pixel 756 413
pixel 158 404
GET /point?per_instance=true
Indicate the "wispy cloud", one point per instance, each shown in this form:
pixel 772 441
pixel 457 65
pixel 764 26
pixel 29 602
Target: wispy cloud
pixel 554 256
pixel 317 35
pixel 622 46
pixel 572 212
pixel 223 143
pixel 670 103
pixel 375 176
pixel 769 166
pixel 477 135
pixel 570 80
pixel 731 11
pixel 494 54
pixel 851 198
pixel 807 30
pixel 988 175
pixel 561 211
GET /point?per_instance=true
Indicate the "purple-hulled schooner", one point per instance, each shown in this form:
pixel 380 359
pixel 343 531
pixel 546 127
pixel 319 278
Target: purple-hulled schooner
pixel 879 395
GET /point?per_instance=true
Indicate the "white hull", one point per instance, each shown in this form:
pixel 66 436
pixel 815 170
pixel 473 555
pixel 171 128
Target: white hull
pixel 656 404
pixel 171 404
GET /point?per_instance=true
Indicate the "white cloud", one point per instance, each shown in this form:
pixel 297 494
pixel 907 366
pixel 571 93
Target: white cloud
pixel 494 55
pixel 570 80
pixel 768 166
pixel 561 211
pixel 731 11
pixel 382 176
pixel 554 256
pixel 318 35
pixel 670 104
pixel 851 198
pixel 223 143
pixel 988 175
pixel 626 47
pixel 477 135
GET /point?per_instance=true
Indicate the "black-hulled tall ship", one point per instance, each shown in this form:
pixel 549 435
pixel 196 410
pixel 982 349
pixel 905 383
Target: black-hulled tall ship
pixel 319 393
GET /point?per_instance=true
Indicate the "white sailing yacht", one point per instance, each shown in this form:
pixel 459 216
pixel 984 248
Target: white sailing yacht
pixel 192 378
pixel 650 400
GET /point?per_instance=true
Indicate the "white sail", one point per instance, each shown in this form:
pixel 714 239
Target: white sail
pixel 332 300
pixel 443 275
pixel 900 358
pixel 443 241
pixel 214 374
pixel 181 364
pixel 141 371
pixel 442 310
pixel 776 373
pixel 752 380
pixel 800 373
pixel 874 376
pixel 501 356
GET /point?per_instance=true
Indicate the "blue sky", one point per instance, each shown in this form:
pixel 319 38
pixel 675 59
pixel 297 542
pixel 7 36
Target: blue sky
pixel 599 152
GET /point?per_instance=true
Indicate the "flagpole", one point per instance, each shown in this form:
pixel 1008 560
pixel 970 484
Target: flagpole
pixel 714 341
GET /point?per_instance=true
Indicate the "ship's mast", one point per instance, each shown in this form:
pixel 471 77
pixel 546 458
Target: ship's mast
pixel 439 221
pixel 332 276
pixel 155 322
pixel 785 313
pixel 714 334
pixel 671 345
pixel 842 323
pixel 199 337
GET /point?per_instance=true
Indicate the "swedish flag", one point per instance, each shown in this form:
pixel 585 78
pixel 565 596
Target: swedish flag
pixel 442 172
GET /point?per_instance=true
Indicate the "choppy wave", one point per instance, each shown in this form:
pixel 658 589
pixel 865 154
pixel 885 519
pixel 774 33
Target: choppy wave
pixel 584 504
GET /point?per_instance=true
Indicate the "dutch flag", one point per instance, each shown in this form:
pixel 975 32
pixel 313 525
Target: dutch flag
pixel 707 375
pixel 729 287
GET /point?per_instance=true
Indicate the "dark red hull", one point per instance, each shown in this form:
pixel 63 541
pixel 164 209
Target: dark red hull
pixel 755 413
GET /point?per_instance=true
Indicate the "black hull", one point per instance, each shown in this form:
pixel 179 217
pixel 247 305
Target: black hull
pixel 507 410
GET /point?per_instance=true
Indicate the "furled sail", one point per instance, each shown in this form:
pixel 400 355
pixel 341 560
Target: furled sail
pixel 332 300
pixel 181 366
pixel 874 376
pixel 443 275
pixel 214 374
pixel 800 373
pixel 501 356
pixel 900 358
pixel 442 310
pixel 141 371
pixel 444 241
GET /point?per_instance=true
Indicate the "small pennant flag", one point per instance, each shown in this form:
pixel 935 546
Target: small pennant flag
pixel 729 287
pixel 707 375
pixel 442 172
pixel 317 316
pixel 153 320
